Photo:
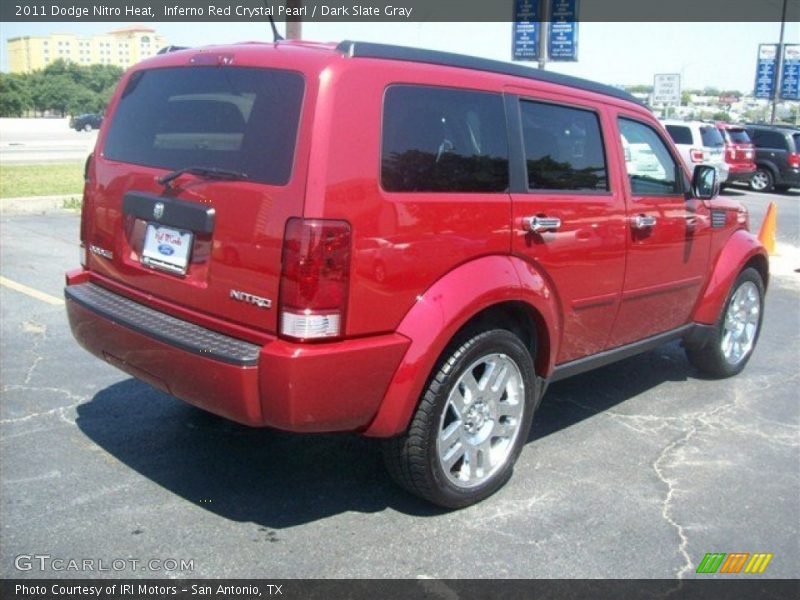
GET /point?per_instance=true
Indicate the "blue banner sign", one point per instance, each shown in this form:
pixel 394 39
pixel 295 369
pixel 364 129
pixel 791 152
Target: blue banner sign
pixel 563 38
pixel 790 78
pixel 525 45
pixel 766 70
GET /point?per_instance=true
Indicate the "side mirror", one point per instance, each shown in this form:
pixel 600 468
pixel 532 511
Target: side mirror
pixel 705 182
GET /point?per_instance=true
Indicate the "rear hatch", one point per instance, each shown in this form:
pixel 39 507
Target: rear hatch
pixel 713 145
pixel 738 146
pixel 210 239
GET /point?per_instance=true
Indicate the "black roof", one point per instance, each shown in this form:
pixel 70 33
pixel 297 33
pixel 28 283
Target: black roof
pixel 778 126
pixel 449 59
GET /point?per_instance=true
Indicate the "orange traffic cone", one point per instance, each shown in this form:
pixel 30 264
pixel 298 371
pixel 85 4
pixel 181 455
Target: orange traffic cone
pixel 766 235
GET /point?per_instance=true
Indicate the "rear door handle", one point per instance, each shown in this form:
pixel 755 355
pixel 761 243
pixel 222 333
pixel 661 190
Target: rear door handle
pixel 643 222
pixel 541 224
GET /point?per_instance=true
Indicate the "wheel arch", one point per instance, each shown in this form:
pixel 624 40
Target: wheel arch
pixel 503 294
pixel 742 250
pixel 771 167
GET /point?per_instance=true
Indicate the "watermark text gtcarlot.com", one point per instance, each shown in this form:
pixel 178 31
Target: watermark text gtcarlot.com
pixel 46 562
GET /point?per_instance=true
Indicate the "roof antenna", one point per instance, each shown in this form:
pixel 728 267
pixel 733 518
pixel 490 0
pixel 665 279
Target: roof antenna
pixel 276 37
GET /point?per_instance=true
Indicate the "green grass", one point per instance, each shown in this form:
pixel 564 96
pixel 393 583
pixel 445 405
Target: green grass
pixel 45 179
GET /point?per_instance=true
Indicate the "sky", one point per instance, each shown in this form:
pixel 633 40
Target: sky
pixel 721 55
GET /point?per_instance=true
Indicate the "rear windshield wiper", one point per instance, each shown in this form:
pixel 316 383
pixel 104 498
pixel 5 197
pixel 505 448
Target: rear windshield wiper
pixel 208 172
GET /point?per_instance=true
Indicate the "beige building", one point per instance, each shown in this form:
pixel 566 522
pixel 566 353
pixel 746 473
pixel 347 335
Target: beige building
pixel 123 47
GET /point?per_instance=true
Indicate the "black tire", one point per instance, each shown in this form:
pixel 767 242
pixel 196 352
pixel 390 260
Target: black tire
pixel 709 356
pixel 762 180
pixel 413 458
pixel 87 127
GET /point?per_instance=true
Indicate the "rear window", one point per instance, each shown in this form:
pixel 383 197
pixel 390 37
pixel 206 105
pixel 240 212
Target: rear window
pixel 443 140
pixel 680 134
pixel 796 138
pixel 234 118
pixel 738 136
pixel 711 137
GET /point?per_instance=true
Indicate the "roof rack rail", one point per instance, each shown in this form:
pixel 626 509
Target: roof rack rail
pixel 449 59
pixel 168 49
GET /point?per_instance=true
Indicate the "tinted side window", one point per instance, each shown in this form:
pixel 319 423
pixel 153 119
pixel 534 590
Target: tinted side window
pixel 651 168
pixel 680 134
pixel 443 140
pixel 563 148
pixel 769 139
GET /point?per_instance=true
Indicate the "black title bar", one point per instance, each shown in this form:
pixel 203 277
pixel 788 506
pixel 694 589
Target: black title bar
pixel 143 11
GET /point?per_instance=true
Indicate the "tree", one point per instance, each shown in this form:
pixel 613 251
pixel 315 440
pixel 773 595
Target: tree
pixel 61 87
pixel 15 97
pixel 721 116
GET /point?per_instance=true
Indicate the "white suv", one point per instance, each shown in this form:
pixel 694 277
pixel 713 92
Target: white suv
pixel 699 143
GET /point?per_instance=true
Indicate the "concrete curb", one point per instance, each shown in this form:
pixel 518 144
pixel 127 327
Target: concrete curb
pixel 37 204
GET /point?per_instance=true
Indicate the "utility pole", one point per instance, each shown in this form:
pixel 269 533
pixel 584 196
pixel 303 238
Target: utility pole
pixel 779 67
pixel 543 33
pixel 294 25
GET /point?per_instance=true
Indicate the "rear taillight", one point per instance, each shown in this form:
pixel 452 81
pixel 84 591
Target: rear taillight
pixel 794 160
pixel 696 155
pixel 315 278
pixel 731 153
pixel 87 172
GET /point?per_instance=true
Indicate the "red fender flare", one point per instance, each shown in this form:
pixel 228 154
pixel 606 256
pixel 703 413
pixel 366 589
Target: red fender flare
pixel 740 248
pixel 442 310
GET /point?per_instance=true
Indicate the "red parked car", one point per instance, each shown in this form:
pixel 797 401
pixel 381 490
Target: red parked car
pixel 740 154
pixel 251 212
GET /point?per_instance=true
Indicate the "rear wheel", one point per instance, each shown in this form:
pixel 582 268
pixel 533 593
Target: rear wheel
pixel 87 127
pixel 735 334
pixel 471 424
pixel 762 180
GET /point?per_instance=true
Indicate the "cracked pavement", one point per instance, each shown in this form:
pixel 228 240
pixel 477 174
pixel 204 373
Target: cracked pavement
pixel 634 470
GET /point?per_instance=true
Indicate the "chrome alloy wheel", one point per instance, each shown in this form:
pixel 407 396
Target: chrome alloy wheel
pixel 741 323
pixel 481 420
pixel 759 180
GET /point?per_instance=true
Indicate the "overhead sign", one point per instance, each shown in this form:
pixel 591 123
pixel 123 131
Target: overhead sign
pixel 790 78
pixel 766 70
pixel 525 37
pixel 563 31
pixel 667 89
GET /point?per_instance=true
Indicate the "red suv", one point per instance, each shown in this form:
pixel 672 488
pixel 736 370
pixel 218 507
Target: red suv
pixel 402 243
pixel 740 154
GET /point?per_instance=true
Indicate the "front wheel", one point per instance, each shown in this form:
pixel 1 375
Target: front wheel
pixel 87 127
pixel 471 424
pixel 736 332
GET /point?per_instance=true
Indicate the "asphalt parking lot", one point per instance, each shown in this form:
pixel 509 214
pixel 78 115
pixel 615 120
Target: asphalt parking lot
pixel 634 470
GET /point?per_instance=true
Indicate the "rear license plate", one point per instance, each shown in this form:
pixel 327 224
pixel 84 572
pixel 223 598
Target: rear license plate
pixel 166 248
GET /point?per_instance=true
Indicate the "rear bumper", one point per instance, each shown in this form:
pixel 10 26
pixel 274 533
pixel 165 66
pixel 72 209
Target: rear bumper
pixel 297 387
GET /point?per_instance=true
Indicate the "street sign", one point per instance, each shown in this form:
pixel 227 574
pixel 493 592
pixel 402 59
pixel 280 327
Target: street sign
pixel 563 31
pixel 667 89
pixel 766 70
pixel 790 79
pixel 525 44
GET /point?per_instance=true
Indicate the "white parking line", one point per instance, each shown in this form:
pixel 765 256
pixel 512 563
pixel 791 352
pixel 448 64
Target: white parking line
pixel 29 291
